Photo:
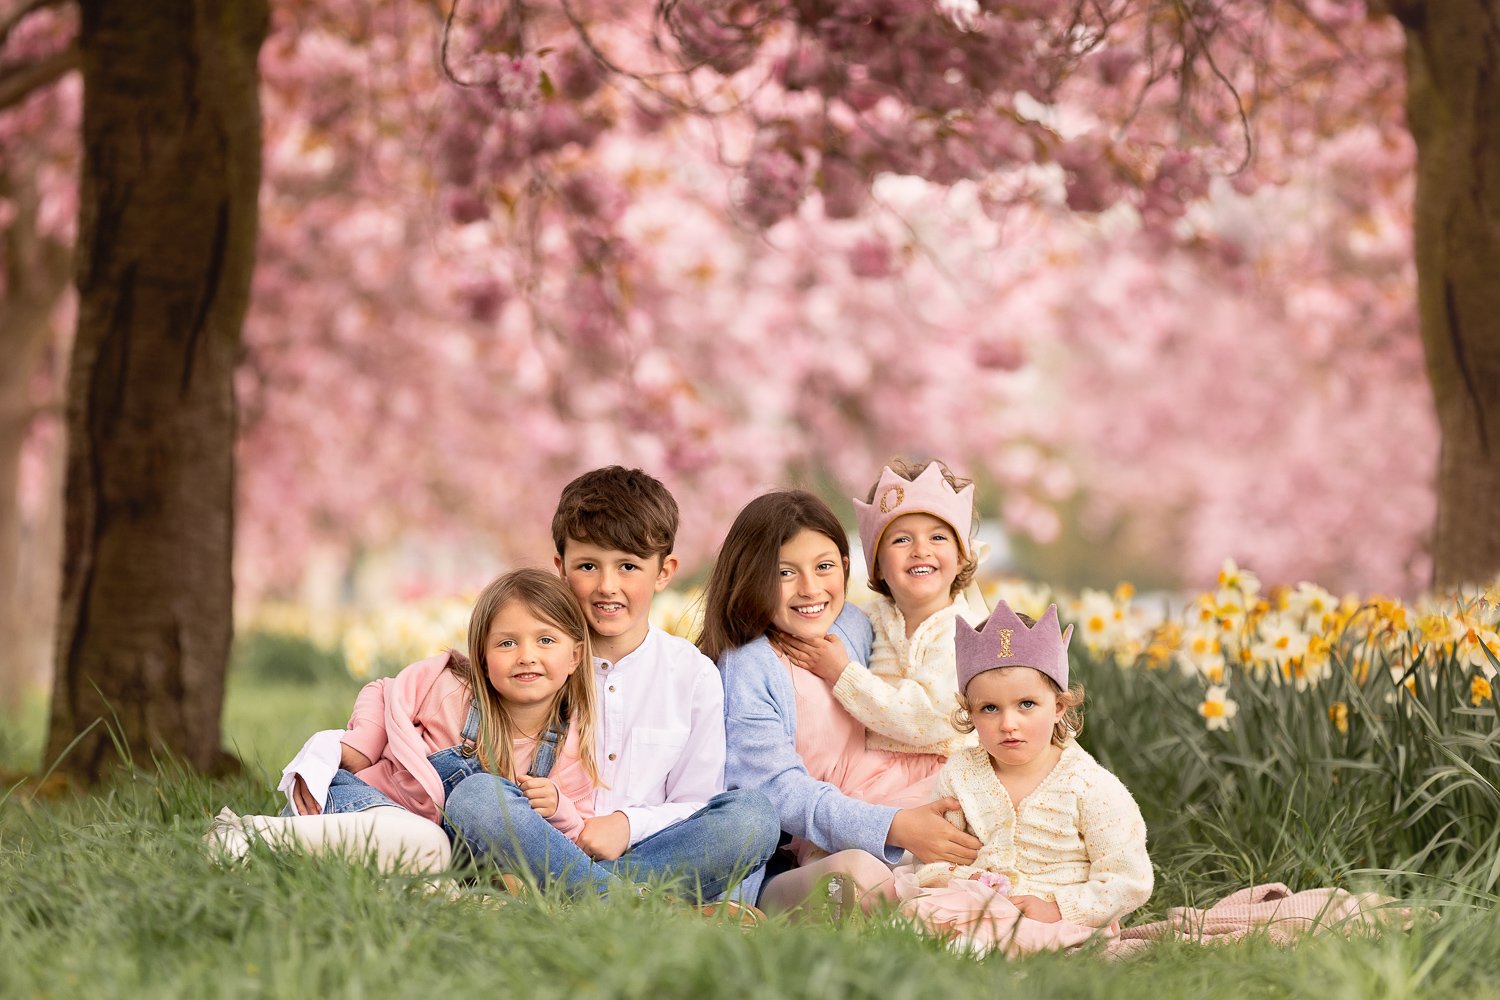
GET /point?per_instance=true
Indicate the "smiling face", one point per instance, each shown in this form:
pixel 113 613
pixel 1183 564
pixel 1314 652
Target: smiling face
pixel 526 658
pixel 1014 710
pixel 811 571
pixel 918 558
pixel 615 590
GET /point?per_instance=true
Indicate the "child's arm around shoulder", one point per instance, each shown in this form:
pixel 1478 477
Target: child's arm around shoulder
pixel 853 627
pixel 1114 835
pixel 909 702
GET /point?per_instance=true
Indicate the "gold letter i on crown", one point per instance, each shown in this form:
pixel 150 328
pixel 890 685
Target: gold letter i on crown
pixel 1004 634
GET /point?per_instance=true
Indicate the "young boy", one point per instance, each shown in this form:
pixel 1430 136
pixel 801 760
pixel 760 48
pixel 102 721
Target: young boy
pixel 662 810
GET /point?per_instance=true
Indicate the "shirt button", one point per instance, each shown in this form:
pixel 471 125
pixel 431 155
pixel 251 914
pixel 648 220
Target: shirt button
pixel 611 756
pixel 611 687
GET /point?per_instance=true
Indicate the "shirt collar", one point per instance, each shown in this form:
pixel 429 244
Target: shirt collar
pixel 638 653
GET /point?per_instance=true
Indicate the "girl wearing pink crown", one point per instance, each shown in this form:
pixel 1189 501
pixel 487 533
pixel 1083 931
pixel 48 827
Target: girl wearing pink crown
pixel 916 526
pixel 1064 853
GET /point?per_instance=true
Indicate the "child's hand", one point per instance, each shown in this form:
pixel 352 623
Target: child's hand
pixel 1038 909
pixel 605 838
pixel 306 804
pixel 925 832
pixel 351 759
pixel 824 657
pixel 541 793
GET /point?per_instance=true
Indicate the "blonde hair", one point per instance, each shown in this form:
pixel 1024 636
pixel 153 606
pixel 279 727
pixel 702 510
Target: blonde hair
pixel 549 599
pixel 968 565
pixel 1066 728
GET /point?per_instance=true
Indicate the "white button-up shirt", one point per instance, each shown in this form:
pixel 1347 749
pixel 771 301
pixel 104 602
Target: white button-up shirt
pixel 661 733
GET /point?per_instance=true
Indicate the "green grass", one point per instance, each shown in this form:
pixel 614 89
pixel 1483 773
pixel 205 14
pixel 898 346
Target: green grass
pixel 110 895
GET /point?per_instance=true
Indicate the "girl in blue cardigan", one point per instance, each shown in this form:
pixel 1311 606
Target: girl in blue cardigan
pixel 784 566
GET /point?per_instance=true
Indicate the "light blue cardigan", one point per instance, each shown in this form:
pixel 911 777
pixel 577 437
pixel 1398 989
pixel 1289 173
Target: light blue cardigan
pixel 760 727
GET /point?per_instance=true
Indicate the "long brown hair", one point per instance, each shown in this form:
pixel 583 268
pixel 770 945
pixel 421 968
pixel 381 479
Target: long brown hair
pixel 743 590
pixel 547 597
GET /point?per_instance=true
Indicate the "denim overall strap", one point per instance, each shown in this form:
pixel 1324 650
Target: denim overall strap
pixel 470 734
pixel 546 751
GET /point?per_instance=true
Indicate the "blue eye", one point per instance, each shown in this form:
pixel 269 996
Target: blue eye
pixel 988 710
pixel 1027 704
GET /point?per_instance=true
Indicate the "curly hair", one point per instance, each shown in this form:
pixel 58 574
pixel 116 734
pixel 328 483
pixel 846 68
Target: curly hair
pixel 1066 728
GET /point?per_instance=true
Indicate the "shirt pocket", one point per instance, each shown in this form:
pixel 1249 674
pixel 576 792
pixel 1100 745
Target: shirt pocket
pixel 653 755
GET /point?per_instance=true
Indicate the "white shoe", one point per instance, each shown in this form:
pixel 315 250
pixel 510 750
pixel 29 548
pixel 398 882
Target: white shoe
pixel 226 841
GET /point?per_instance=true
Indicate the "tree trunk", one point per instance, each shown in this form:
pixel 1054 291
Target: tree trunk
pixel 1453 109
pixel 166 245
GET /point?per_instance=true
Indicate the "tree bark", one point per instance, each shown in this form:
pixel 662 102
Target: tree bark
pixel 1453 109
pixel 166 245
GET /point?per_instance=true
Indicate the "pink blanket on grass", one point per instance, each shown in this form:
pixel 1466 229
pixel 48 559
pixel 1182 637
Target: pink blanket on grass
pixel 979 919
pixel 1272 909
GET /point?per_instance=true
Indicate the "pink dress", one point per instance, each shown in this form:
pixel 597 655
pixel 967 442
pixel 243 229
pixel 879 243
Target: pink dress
pixel 831 743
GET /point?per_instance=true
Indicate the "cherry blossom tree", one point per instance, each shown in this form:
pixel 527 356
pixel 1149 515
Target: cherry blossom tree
pixel 1102 249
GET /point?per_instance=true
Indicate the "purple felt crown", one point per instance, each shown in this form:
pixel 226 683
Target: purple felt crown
pixel 1005 641
pixel 929 493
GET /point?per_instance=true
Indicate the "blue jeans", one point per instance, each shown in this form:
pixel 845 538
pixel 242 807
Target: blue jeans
pixel 728 838
pixel 348 792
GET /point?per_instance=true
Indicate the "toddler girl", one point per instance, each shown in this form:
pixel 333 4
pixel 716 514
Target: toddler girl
pixel 517 706
pixel 1064 850
pixel 915 525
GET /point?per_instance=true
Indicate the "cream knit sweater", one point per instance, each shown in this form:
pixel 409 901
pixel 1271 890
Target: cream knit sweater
pixel 907 697
pixel 1077 839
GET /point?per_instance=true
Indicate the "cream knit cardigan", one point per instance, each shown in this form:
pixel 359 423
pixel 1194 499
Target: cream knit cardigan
pixel 1077 839
pixel 907 697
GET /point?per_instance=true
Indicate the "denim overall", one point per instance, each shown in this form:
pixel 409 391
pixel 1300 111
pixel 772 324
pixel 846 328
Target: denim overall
pixel 349 793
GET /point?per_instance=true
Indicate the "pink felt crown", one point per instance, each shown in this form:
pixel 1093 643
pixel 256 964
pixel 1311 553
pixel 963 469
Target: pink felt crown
pixel 1005 641
pixel 929 493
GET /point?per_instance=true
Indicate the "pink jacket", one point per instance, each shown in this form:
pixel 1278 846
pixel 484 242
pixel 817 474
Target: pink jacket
pixel 399 720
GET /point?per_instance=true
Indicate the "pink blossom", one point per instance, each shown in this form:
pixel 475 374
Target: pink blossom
pixel 871 257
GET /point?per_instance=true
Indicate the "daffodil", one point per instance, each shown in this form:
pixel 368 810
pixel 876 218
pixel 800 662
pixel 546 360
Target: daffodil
pixel 1392 613
pixel 1312 605
pixel 1165 641
pixel 1232 577
pixel 1201 653
pixel 1475 648
pixel 1480 690
pixel 1281 641
pixel 1217 707
pixel 1439 629
pixel 1097 621
pixel 1338 714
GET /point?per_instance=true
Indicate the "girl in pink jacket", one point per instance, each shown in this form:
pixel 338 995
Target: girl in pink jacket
pixel 516 706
